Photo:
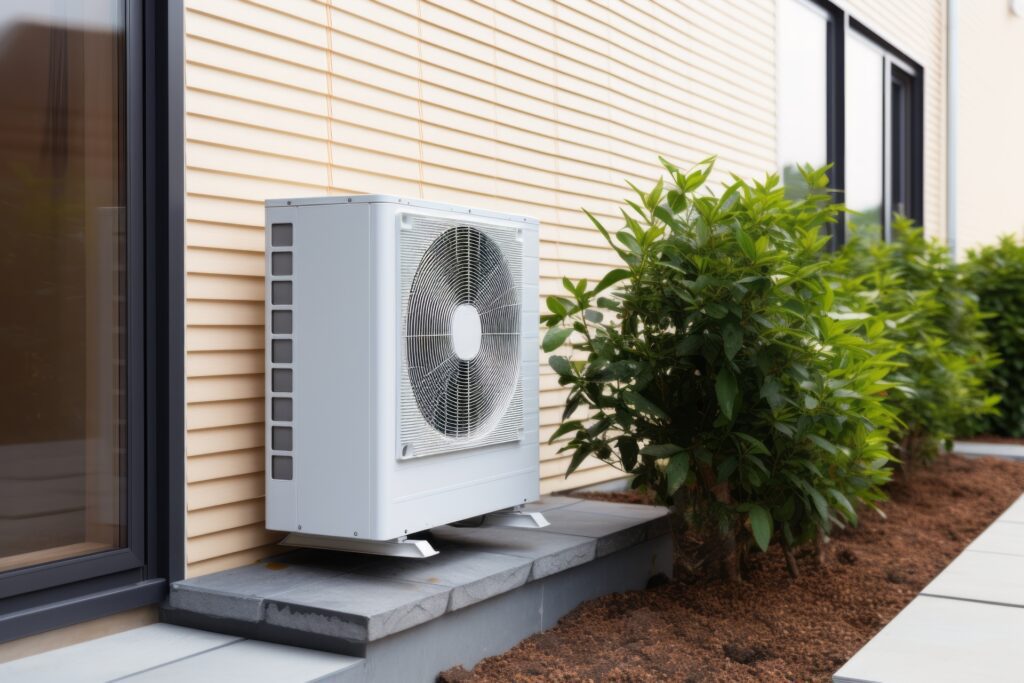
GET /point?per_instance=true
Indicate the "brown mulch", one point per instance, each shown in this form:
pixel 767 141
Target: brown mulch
pixel 771 627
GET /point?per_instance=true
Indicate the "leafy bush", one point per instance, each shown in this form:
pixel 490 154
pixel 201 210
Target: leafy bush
pixel 716 374
pixel 913 285
pixel 996 275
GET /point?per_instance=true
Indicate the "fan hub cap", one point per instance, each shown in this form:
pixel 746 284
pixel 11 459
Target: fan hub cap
pixel 466 331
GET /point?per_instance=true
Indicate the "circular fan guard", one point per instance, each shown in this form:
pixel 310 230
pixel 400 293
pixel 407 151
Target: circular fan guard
pixel 457 396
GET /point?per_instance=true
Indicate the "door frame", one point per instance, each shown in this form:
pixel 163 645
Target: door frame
pixel 56 594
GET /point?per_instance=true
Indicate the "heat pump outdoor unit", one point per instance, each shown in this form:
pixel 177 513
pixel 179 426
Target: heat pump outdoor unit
pixel 401 365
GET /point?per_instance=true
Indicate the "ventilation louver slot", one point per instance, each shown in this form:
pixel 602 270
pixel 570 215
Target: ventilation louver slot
pixel 462 336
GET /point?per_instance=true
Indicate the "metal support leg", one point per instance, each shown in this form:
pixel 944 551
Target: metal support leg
pixel 399 547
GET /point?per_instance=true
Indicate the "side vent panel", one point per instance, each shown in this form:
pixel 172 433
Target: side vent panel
pixel 280 351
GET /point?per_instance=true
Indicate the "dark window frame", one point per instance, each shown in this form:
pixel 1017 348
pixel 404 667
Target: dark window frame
pixel 41 598
pixel 841 23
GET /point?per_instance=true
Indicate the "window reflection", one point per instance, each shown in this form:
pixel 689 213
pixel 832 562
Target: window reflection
pixel 802 90
pixel 61 201
pixel 865 120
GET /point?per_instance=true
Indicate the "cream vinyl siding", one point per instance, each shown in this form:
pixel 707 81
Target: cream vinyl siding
pixel 537 107
pixel 991 144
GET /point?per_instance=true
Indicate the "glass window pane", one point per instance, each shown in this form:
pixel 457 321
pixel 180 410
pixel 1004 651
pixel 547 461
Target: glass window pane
pixel 803 88
pixel 62 145
pixel 865 117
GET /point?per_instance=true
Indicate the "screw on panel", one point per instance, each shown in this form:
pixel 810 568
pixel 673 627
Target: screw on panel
pixel 355 533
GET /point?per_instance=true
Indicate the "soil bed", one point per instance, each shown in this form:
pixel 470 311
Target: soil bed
pixel 771 627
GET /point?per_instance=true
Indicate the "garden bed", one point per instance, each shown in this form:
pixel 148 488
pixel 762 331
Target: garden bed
pixel 771 627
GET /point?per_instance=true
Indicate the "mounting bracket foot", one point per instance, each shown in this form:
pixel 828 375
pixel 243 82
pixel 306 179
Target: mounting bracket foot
pixel 399 547
pixel 516 517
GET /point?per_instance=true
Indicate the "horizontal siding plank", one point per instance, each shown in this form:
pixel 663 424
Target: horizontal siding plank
pixel 201 364
pixel 206 494
pixel 230 516
pixel 221 562
pixel 224 465
pixel 229 541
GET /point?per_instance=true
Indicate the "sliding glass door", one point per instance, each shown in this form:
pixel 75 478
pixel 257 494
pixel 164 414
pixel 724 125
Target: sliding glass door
pixel 63 198
pixel 90 327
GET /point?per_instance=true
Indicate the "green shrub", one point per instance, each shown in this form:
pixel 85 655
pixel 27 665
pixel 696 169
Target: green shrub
pixel 996 275
pixel 716 374
pixel 914 286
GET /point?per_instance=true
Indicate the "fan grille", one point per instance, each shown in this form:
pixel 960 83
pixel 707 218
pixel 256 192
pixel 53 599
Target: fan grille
pixel 465 397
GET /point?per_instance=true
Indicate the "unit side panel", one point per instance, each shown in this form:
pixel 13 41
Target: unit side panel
pixel 333 372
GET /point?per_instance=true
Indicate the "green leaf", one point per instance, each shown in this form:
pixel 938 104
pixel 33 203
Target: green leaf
pixel 725 391
pixel 746 244
pixel 565 428
pixel 732 338
pixel 690 345
pixel 555 337
pixel 716 310
pixel 761 525
pixel 578 456
pixel 823 443
pixel 819 504
pixel 610 278
pixel 643 405
pixel 627 452
pixel 561 365
pixel 661 450
pixel 675 473
pixel 557 306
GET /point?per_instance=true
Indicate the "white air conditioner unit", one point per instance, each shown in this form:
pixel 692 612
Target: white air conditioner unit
pixel 401 366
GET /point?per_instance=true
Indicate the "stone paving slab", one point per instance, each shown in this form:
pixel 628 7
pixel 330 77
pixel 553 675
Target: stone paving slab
pixel 986 577
pixel 344 602
pixel 935 640
pixel 549 551
pixel 356 607
pixel 115 656
pixel 248 661
pixel 1014 513
pixel 613 532
pixel 1001 537
pixel 472 576
pixel 1010 451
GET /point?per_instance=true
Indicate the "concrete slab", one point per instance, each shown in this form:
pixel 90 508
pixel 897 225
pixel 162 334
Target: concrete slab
pixel 349 606
pixel 631 510
pixel 247 661
pixel 551 552
pixel 985 577
pixel 240 593
pixel 115 656
pixel 472 576
pixel 550 503
pixel 613 532
pixel 332 602
pixel 998 450
pixel 1014 513
pixel 1000 537
pixel 934 640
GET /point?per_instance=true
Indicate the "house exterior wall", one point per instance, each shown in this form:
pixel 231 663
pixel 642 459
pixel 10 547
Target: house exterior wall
pixel 540 108
pixel 990 138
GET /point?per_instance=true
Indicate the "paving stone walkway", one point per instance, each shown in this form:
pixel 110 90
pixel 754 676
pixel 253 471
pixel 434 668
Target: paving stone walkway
pixel 966 625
